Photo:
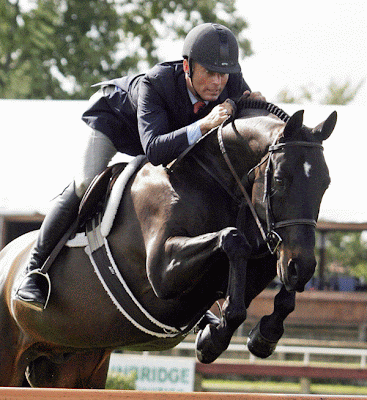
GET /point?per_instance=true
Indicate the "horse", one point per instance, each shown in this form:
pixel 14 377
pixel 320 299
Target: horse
pixel 220 222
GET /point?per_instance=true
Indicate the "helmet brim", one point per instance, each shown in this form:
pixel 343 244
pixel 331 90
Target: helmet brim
pixel 230 69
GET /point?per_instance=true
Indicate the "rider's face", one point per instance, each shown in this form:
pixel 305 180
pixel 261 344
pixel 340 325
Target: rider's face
pixel 208 84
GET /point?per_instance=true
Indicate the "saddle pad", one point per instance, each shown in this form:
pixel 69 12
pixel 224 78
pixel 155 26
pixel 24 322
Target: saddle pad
pixel 117 192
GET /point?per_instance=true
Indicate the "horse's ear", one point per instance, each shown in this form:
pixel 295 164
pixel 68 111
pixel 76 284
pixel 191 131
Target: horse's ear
pixel 294 123
pixel 324 130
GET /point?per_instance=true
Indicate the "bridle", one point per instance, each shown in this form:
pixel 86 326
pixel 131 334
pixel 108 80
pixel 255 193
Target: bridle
pixel 270 236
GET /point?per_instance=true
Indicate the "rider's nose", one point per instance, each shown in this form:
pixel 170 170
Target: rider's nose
pixel 216 78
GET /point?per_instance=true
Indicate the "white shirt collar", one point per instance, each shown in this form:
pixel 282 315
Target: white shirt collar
pixel 193 98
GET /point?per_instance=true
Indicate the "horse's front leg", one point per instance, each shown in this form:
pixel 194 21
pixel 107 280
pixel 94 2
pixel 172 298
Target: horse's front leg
pixel 176 264
pixel 264 337
pixel 181 262
pixel 215 338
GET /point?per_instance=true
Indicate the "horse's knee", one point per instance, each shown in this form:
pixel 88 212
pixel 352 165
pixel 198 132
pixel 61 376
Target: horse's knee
pixel 234 244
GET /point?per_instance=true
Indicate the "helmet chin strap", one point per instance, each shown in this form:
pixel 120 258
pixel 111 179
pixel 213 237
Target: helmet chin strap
pixel 196 94
pixel 189 75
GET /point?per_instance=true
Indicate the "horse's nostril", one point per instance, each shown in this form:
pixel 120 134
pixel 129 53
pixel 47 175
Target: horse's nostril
pixel 292 272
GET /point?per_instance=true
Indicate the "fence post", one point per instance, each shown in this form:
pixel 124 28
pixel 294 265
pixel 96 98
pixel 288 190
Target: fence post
pixel 198 387
pixel 305 385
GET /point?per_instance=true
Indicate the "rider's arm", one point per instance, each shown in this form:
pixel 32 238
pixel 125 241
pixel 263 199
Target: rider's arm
pixel 161 142
pixel 163 105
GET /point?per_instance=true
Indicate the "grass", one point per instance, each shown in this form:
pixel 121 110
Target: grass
pixel 121 382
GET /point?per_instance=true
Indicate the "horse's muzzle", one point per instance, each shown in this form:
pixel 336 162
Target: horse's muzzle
pixel 297 273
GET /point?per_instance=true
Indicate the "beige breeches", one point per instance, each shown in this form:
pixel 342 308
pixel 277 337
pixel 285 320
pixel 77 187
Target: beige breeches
pixel 97 153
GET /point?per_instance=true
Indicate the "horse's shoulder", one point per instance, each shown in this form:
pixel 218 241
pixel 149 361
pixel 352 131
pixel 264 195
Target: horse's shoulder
pixel 151 183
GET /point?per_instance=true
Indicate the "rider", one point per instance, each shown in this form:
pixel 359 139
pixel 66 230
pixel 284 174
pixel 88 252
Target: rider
pixel 153 114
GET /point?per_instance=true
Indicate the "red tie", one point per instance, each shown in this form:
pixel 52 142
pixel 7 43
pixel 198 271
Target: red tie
pixel 198 105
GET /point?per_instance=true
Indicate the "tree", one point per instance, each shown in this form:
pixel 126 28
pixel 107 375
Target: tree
pixel 345 255
pixel 23 44
pixel 336 94
pixel 341 94
pixel 59 48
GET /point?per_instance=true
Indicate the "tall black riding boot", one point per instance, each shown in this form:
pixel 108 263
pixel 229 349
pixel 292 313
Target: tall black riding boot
pixel 35 287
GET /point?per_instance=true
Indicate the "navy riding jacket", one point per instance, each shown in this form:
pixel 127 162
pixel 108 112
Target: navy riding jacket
pixel 148 113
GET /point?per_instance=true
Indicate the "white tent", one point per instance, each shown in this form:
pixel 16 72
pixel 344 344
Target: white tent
pixel 41 143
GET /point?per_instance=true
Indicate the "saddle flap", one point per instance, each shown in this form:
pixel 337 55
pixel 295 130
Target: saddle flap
pixel 97 192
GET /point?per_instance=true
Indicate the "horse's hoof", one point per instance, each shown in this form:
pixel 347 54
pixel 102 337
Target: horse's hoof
pixel 259 345
pixel 206 350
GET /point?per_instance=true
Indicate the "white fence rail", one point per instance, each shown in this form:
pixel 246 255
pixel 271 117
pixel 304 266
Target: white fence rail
pixel 306 351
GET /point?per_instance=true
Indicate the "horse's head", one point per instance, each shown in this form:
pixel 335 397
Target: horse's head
pixel 287 193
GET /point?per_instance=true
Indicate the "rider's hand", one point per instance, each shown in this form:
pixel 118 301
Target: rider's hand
pixel 216 116
pixel 253 95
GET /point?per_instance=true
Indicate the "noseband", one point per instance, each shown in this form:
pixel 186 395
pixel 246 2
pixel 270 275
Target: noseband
pixel 271 237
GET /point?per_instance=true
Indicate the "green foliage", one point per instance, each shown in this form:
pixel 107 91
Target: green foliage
pixel 346 253
pixel 24 45
pixel 336 94
pixel 285 97
pixel 59 48
pixel 341 94
pixel 121 382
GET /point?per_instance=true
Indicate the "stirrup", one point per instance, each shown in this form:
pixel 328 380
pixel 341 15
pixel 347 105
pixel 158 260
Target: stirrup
pixel 48 280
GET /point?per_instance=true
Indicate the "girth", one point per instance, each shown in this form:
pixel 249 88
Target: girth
pixel 117 289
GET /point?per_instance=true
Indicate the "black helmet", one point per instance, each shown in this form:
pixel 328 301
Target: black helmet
pixel 214 47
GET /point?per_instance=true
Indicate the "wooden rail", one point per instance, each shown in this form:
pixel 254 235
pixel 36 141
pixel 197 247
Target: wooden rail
pixel 276 369
pixel 89 394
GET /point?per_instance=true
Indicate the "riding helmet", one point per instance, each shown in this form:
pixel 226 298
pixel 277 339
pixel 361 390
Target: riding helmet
pixel 214 47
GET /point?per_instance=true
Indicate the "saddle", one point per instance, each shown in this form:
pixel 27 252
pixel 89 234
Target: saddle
pixel 98 193
pixel 96 215
pixel 92 203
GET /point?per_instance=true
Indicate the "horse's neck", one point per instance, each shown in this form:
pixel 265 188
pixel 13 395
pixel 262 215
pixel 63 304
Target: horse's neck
pixel 245 143
pixel 257 133
pixel 261 131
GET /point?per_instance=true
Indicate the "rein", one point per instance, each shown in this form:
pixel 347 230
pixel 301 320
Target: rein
pixel 271 237
pixel 239 183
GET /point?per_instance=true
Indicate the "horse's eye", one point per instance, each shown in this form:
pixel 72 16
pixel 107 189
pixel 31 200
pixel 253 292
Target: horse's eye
pixel 279 185
pixel 279 182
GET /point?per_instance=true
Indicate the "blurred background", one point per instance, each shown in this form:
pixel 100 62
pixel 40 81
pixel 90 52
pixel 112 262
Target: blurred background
pixel 309 56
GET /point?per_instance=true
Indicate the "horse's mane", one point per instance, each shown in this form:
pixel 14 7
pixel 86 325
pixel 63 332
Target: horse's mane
pixel 242 104
pixel 245 103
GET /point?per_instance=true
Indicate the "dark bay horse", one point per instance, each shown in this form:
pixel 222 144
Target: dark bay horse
pixel 183 237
